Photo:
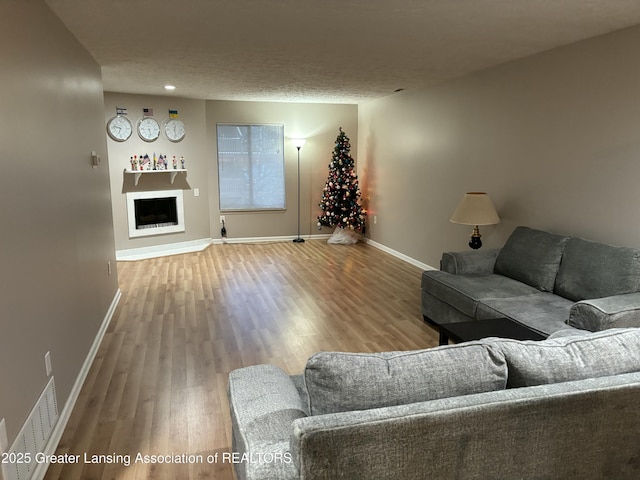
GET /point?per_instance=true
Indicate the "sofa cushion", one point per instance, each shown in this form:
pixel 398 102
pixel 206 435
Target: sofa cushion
pixel 463 292
pixel 341 382
pixel 532 257
pixel 594 270
pixel 543 312
pixel 610 352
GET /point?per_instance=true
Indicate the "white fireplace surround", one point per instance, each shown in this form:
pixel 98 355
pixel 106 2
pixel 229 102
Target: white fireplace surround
pixel 160 230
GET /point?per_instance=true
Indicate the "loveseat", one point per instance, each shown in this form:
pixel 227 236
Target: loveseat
pixel 540 279
pixel 565 407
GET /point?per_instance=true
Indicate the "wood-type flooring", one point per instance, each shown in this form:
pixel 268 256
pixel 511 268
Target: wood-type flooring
pixel 158 383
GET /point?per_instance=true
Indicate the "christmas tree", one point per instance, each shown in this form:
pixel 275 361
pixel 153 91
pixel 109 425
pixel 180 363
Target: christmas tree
pixel 340 202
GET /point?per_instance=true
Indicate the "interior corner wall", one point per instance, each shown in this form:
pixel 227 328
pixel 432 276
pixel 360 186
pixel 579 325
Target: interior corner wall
pixel 193 148
pixel 553 138
pixel 319 124
pixel 57 230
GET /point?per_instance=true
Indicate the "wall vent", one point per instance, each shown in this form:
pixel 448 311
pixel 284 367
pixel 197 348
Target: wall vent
pixel 33 436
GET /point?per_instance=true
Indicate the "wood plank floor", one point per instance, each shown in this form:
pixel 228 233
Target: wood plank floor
pixel 158 383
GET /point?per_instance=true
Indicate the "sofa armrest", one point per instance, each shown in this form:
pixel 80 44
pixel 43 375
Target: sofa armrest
pixel 618 311
pixel 469 263
pixel 264 402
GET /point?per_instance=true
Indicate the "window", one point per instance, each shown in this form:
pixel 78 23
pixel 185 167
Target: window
pixel 251 167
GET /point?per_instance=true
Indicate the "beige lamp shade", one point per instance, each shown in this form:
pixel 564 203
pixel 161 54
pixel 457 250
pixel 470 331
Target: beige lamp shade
pixel 475 208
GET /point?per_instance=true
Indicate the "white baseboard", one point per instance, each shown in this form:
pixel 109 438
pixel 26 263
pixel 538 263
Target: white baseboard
pixel 56 434
pixel 290 238
pixel 199 245
pixel 399 255
pixel 163 250
pixel 154 251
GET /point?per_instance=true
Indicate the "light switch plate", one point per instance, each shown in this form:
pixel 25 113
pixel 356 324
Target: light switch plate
pixel 47 363
pixel 4 441
pixel 95 159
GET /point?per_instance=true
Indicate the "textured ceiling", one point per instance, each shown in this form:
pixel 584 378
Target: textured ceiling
pixel 326 51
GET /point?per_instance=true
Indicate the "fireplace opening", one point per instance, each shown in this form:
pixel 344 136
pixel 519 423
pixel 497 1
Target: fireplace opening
pixel 156 212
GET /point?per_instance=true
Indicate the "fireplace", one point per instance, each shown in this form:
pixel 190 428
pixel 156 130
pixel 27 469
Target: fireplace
pixel 155 213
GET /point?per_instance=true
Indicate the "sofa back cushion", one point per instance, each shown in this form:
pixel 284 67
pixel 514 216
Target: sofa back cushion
pixel 532 257
pixel 563 359
pixel 341 382
pixel 595 270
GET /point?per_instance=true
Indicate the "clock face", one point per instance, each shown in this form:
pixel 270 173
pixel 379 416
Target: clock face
pixel 148 129
pixel 119 128
pixel 174 130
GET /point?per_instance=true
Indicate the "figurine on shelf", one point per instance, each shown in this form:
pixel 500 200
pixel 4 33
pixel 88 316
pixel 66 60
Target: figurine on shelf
pixel 175 163
pixel 155 161
pixel 182 161
pixel 133 163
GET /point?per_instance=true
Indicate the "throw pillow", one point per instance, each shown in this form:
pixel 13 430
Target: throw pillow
pixel 595 270
pixel 575 357
pixel 341 382
pixel 532 257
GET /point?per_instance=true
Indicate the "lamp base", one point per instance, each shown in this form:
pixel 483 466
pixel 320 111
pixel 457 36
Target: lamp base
pixel 475 241
pixel 298 240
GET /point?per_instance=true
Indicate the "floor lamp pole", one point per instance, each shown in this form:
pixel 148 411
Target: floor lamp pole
pixel 299 239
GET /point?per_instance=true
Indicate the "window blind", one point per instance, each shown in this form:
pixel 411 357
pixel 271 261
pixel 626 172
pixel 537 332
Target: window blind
pixel 251 167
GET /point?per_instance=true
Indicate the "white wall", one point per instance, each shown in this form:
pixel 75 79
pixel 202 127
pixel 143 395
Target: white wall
pixel 554 139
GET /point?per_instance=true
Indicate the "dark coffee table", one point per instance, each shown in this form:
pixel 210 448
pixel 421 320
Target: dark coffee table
pixel 478 329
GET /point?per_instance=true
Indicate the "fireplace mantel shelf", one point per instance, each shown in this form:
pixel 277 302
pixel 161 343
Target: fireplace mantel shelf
pixel 138 173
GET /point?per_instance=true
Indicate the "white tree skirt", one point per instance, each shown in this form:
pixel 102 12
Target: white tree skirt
pixel 343 236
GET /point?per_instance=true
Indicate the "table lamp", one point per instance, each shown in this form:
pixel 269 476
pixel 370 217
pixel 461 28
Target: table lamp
pixel 475 209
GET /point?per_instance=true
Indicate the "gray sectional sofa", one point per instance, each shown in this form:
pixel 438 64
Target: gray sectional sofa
pixel 565 407
pixel 542 280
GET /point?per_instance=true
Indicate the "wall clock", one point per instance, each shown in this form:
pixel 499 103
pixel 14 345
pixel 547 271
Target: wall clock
pixel 148 129
pixel 174 129
pixel 119 128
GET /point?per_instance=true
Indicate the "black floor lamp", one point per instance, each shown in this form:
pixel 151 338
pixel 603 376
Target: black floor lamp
pixel 298 143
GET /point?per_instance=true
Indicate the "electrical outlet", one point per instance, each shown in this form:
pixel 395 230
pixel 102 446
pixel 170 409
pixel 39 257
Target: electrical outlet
pixel 196 192
pixel 222 219
pixel 47 363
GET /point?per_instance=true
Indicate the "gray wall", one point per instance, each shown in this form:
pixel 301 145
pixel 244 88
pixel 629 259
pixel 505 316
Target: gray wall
pixel 57 233
pixel 318 123
pixel 192 147
pixel 553 138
